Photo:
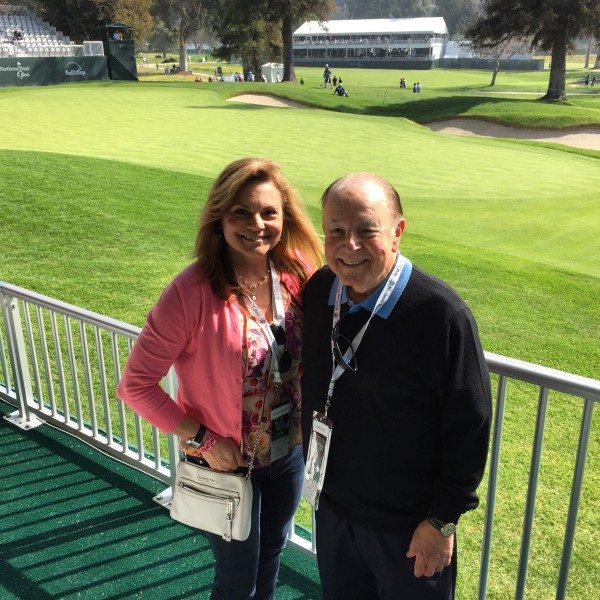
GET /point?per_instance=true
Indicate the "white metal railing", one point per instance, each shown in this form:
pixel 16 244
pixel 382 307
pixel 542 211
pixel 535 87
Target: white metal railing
pixel 60 363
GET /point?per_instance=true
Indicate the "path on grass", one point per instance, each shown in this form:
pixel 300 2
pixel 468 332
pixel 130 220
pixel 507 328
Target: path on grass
pixel 581 137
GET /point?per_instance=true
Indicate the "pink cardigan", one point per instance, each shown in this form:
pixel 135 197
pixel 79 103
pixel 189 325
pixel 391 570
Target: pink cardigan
pixel 198 332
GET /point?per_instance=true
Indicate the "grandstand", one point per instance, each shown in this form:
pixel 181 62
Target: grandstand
pixel 378 43
pixel 32 52
pixel 23 34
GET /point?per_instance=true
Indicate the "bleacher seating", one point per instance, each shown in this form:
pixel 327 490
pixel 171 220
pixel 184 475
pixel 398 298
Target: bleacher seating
pixel 35 37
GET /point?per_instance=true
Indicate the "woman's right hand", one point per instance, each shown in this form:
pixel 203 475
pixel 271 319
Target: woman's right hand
pixel 225 455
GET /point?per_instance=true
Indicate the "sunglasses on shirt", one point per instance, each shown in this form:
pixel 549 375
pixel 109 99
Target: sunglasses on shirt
pixel 338 354
pixel 285 360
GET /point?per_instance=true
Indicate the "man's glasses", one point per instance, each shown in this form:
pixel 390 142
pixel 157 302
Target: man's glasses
pixel 285 360
pixel 338 353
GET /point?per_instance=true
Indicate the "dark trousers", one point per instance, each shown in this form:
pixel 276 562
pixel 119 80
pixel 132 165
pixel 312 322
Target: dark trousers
pixel 356 563
pixel 248 570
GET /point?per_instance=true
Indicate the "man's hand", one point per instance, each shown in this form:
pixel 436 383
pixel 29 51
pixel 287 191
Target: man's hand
pixel 430 549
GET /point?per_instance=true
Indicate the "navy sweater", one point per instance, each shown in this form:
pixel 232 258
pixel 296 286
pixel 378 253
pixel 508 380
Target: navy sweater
pixel 411 427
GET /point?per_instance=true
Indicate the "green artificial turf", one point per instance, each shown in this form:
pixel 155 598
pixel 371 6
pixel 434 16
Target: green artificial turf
pixel 102 185
pixel 77 524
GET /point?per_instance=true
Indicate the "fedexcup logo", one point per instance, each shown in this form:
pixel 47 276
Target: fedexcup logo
pixel 20 70
pixel 75 70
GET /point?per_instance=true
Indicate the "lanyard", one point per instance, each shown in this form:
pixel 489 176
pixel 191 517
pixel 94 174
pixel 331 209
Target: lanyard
pixel 384 295
pixel 278 317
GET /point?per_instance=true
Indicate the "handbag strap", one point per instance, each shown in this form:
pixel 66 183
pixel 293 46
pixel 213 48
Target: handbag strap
pixel 260 422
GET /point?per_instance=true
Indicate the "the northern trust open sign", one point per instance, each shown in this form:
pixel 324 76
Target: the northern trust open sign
pixel 48 71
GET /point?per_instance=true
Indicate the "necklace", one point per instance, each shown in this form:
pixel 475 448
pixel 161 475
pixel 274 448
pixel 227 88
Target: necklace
pixel 251 288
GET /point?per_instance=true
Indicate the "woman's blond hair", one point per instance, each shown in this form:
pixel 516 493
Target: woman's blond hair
pixel 299 249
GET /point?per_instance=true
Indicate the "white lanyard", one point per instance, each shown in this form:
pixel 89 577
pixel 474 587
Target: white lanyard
pixel 381 300
pixel 278 317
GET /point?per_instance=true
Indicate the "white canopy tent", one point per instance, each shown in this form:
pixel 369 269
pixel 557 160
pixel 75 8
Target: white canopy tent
pixel 272 72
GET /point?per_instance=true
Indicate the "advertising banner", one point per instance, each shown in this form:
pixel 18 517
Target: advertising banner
pixel 17 71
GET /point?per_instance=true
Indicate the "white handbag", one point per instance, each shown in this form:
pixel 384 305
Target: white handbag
pixel 213 501
pixel 216 501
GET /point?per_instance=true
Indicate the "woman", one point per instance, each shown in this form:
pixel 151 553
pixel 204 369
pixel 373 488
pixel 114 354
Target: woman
pixel 231 324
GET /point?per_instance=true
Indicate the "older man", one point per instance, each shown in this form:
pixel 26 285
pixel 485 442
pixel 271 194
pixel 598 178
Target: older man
pixel 394 370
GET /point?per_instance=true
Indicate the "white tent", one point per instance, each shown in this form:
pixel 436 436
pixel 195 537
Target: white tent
pixel 272 72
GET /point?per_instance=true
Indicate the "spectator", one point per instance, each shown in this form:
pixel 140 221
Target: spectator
pixel 393 364
pixel 334 81
pixel 255 248
pixel 340 91
pixel 327 77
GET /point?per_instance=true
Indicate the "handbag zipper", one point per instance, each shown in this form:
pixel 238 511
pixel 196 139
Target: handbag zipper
pixel 230 499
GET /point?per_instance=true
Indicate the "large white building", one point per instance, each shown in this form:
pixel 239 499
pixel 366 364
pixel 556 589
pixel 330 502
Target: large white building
pixel 374 41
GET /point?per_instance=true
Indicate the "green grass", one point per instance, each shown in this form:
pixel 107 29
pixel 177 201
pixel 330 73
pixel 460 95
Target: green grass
pixel 446 93
pixel 102 185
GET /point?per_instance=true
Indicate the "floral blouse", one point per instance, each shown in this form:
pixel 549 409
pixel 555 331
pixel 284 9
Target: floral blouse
pixel 256 362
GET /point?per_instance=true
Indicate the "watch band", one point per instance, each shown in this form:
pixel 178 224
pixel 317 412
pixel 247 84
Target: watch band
pixel 196 441
pixel 446 529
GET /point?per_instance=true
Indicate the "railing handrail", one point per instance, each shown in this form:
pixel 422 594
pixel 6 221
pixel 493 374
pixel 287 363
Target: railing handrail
pixel 555 379
pixel 70 310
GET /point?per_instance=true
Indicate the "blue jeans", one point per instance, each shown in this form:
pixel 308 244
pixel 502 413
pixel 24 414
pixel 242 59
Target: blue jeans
pixel 248 570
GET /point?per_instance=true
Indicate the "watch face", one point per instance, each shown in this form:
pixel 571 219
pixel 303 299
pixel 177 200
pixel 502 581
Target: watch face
pixel 448 529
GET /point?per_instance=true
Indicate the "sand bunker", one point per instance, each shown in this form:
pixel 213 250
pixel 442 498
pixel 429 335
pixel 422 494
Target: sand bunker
pixel 582 137
pixel 265 100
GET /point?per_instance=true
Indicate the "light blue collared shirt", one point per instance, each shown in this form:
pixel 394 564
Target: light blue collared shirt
pixel 370 302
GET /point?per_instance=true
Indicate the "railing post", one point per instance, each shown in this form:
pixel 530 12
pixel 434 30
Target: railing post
pixel 165 497
pixel 584 438
pixel 22 418
pixel 492 486
pixel 534 471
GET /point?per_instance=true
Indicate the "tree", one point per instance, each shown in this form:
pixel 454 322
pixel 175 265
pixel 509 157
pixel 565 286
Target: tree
pixel 183 18
pixel 135 13
pixel 80 19
pixel 549 24
pixel 162 39
pixel 457 14
pixel 284 13
pixel 504 50
pixel 290 12
pixel 244 32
